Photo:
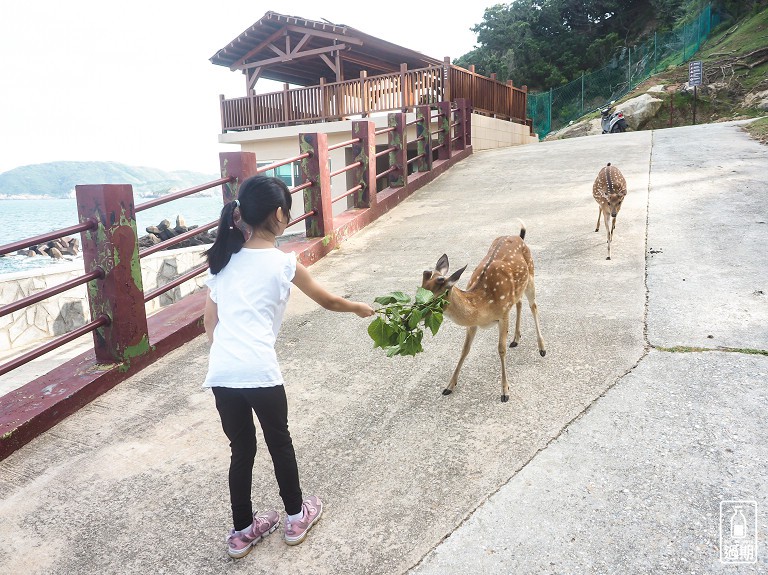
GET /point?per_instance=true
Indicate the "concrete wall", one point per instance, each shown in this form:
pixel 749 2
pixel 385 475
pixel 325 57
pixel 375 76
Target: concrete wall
pixel 489 133
pixel 69 310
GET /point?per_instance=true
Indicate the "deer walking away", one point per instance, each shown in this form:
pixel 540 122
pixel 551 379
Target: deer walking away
pixel 499 282
pixel 609 190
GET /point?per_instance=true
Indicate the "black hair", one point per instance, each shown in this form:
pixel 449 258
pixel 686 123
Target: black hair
pixel 259 198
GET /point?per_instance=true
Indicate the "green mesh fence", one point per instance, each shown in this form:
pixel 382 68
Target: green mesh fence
pixel 554 109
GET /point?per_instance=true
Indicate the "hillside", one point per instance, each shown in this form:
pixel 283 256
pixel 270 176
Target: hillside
pixel 735 83
pixel 58 179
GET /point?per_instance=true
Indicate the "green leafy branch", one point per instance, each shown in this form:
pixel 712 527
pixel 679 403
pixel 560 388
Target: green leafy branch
pixel 399 328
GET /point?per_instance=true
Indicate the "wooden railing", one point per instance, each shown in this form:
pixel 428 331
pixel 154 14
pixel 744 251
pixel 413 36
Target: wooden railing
pixel 402 91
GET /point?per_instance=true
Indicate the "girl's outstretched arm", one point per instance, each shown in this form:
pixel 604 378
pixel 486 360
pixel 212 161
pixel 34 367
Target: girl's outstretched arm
pixel 306 283
pixel 210 317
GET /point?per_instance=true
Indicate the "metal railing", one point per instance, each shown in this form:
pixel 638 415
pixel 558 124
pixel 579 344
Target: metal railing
pixel 110 250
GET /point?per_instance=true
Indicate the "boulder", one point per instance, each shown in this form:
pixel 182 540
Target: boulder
pixel 757 100
pixel 638 111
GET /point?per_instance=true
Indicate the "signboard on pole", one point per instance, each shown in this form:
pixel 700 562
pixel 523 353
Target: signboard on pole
pixel 695 73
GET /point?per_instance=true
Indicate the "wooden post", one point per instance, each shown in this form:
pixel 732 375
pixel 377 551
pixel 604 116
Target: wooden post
pixel 114 247
pixel 323 100
pixel 240 165
pixel 317 197
pixel 445 132
pixel 446 79
pixel 423 128
pixel 364 93
pixel 364 151
pixel 405 102
pixel 399 156
pixel 286 105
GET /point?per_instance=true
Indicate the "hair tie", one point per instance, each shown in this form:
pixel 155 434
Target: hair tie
pixel 237 222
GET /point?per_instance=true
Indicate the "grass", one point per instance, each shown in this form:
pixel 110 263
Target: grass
pixel 758 129
pixel 687 349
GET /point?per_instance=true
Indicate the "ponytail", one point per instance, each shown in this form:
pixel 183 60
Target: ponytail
pixel 229 240
pixel 254 209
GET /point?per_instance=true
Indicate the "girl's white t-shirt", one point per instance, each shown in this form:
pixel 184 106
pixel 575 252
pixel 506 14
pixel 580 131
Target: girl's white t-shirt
pixel 251 294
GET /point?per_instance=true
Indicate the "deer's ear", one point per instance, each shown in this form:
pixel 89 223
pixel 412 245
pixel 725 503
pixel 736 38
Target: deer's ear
pixel 427 275
pixel 455 277
pixel 441 266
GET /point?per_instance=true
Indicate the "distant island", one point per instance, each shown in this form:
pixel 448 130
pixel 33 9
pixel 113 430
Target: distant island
pixel 58 179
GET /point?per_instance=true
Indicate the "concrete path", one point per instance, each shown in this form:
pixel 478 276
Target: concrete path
pixel 612 455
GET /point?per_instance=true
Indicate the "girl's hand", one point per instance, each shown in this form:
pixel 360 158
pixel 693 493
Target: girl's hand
pixel 363 309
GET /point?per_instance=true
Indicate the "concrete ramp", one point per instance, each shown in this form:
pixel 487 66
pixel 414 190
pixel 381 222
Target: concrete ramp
pixel 136 482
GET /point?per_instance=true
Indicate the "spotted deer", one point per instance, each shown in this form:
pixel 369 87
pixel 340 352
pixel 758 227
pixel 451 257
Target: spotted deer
pixel 497 284
pixel 609 191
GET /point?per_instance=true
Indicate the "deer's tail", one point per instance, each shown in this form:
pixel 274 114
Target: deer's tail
pixel 522 229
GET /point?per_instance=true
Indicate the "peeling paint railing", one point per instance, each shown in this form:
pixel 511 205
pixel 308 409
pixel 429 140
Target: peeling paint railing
pixel 122 339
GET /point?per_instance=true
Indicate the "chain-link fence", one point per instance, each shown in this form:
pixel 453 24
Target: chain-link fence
pixel 553 110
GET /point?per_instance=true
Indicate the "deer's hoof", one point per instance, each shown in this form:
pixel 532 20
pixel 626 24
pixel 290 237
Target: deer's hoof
pixel 597 229
pixel 513 344
pixel 609 257
pixel 447 391
pixel 504 398
pixel 542 352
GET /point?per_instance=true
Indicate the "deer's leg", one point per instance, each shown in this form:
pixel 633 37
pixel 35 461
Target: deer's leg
pixel 599 215
pixel 530 294
pixel 503 330
pixel 516 338
pixel 471 331
pixel 607 218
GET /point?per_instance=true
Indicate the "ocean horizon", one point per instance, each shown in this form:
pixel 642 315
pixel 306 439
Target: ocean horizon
pixel 21 219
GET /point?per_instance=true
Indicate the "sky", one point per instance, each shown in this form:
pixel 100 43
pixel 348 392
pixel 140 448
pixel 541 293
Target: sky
pixel 131 82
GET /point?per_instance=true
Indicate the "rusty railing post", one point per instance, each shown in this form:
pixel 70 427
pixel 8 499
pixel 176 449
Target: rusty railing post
pixel 461 112
pixel 399 156
pixel 445 131
pixel 317 197
pixel 424 146
pixel 114 247
pixel 364 151
pixel 239 165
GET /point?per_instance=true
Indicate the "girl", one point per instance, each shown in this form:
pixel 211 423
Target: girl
pixel 249 284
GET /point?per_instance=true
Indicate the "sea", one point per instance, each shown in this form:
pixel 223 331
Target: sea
pixel 21 219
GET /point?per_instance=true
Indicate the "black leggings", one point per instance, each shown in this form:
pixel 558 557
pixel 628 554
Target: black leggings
pixel 271 408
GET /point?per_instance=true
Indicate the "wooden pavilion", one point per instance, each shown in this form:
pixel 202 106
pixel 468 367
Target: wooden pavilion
pixel 367 75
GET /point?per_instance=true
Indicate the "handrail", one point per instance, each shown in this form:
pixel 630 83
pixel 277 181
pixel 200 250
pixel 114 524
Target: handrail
pixel 85 226
pixel 343 144
pixel 98 273
pixel 300 187
pixel 385 172
pixel 264 169
pixel 194 272
pixel 303 217
pixel 182 194
pixel 345 169
pixel 387 151
pixel 53 344
pixel 177 239
pixel 349 192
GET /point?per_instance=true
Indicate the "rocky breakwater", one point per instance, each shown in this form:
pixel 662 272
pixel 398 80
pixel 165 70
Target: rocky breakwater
pixel 164 231
pixel 56 249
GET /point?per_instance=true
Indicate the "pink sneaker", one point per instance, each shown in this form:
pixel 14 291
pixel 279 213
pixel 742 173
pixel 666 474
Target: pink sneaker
pixel 240 543
pixel 296 531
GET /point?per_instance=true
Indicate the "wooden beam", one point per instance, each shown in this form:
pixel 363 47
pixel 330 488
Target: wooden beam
pixel 327 60
pixel 259 48
pixel 277 50
pixel 328 35
pixel 288 58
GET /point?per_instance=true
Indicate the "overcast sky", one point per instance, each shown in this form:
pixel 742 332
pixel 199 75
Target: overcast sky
pixel 131 82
